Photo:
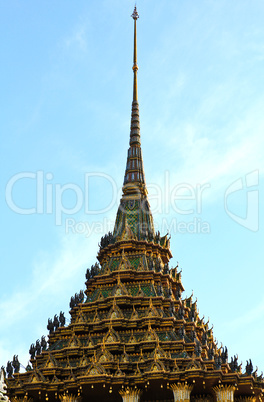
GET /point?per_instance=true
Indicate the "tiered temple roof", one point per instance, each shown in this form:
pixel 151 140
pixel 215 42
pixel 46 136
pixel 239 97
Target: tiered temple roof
pixel 133 336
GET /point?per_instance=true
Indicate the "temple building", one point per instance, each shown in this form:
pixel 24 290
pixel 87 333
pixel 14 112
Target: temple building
pixel 132 336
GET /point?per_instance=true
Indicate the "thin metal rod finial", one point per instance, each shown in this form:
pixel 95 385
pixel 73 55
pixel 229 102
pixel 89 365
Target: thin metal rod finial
pixel 135 15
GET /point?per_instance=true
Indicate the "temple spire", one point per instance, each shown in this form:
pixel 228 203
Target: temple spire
pixel 134 181
pixel 134 219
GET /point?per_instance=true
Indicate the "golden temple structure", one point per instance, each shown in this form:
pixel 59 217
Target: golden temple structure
pixel 132 337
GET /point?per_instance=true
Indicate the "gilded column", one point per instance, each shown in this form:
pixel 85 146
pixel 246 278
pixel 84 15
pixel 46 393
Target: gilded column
pixel 224 393
pixel 181 392
pixel 69 398
pixel 21 399
pixel 130 394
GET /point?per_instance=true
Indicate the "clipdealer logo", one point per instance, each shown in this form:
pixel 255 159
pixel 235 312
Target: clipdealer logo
pixel 175 201
pixel 49 197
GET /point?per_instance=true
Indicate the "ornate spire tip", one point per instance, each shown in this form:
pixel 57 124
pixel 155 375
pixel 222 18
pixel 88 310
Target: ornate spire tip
pixel 135 15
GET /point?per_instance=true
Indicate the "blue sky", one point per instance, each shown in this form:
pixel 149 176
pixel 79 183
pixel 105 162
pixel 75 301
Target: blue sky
pixel 66 92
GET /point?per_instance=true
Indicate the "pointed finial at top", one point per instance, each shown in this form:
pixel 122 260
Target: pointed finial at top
pixel 135 15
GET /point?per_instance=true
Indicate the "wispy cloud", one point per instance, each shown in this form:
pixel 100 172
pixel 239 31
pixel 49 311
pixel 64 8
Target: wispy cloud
pixel 51 274
pixel 252 315
pixel 215 157
pixel 78 38
pixel 55 277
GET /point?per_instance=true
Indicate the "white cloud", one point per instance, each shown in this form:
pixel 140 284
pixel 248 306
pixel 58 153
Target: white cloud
pixel 55 277
pixel 244 321
pixel 78 38
pixel 216 159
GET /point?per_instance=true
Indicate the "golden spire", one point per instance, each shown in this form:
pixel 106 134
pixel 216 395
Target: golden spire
pixel 134 210
pixel 134 170
pixel 135 16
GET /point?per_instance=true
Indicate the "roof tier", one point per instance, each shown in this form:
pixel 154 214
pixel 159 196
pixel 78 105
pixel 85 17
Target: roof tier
pixel 133 330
